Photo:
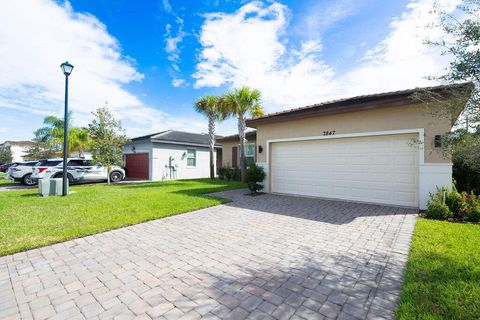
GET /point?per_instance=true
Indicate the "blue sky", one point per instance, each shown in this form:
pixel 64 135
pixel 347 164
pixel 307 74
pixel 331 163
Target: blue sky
pixel 149 60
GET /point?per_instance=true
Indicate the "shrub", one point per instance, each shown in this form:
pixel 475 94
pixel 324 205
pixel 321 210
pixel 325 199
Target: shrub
pixel 222 171
pixel 228 173
pixel 470 208
pixel 236 174
pixel 255 174
pixel 446 204
pixel 455 202
pixel 466 178
pixel 436 209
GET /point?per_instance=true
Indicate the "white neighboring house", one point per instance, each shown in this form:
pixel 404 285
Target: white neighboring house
pixel 18 149
pixel 169 155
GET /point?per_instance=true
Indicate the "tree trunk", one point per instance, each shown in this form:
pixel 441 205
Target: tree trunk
pixel 211 140
pixel 241 135
pixel 108 175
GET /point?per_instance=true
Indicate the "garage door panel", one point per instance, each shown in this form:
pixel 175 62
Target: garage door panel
pixel 406 178
pixel 384 195
pixel 359 160
pixel 405 196
pixel 136 165
pixel 405 160
pixel 381 159
pixel 360 193
pixel 381 177
pixel 380 169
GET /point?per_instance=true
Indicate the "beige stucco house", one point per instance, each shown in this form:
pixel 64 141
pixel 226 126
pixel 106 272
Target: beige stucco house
pixel 231 157
pixel 381 148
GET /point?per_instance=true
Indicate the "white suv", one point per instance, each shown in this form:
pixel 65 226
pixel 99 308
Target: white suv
pixel 78 170
pixel 22 172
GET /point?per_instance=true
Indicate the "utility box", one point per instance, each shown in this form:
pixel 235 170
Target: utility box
pixel 50 187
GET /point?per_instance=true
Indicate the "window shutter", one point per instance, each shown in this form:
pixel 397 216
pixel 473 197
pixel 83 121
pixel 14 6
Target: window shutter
pixel 234 156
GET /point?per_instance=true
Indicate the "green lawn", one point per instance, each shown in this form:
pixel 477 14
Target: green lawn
pixel 28 221
pixel 4 182
pixel 443 272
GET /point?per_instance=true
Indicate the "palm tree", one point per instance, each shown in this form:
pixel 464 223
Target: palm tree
pixel 52 135
pixel 211 107
pixel 79 140
pixel 239 103
pixel 52 131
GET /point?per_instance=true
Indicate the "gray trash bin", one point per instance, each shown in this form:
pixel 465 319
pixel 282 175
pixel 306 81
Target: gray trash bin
pixel 50 187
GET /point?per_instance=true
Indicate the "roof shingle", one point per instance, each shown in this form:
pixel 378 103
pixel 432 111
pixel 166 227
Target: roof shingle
pixel 173 136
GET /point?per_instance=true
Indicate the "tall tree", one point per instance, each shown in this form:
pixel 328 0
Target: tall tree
pixel 108 139
pixel 51 134
pixel 5 155
pixel 460 42
pixel 240 103
pixel 211 107
pixel 41 150
pixel 52 131
pixel 78 140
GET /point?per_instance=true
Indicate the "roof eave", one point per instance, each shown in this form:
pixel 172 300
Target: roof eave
pixel 184 143
pixel 360 103
pixel 333 109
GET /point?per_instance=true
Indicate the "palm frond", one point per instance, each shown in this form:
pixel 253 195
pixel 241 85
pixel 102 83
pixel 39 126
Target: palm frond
pixel 244 100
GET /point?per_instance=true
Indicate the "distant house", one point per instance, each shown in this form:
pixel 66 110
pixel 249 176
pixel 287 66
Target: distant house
pixel 170 155
pixel 18 149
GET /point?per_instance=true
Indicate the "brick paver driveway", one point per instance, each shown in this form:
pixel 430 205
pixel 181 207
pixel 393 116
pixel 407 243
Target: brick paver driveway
pixel 258 257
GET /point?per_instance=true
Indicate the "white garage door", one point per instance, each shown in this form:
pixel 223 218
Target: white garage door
pixel 378 169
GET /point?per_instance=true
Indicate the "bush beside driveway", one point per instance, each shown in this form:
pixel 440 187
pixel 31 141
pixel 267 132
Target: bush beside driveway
pixel 28 221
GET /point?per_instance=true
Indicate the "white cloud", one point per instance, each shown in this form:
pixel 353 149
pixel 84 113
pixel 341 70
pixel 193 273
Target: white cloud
pixel 37 36
pixel 172 47
pixel 167 6
pixel 250 47
pixel 322 15
pixel 178 82
pixel 402 60
pixel 172 42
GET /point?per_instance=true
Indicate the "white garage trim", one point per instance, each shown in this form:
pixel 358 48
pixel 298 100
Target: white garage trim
pixel 419 131
pixel 433 175
pixel 430 175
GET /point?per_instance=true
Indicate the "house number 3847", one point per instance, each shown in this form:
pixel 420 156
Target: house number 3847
pixel 328 133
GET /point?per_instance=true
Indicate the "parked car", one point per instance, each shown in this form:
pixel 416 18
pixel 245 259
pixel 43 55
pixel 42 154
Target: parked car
pixel 78 170
pixel 22 172
pixel 4 167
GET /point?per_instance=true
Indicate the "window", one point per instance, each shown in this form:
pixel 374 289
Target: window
pixel 75 163
pixel 249 153
pixel 191 157
pixel 48 163
pixel 88 163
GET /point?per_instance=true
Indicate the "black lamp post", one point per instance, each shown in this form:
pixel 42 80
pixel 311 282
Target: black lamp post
pixel 67 70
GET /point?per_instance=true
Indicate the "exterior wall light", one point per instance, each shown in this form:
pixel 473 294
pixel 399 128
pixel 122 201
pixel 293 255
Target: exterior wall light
pixel 438 141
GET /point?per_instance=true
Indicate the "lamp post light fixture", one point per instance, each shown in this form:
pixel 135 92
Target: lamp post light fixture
pixel 67 70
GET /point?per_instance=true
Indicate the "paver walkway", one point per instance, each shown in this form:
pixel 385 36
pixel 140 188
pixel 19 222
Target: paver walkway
pixel 264 257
